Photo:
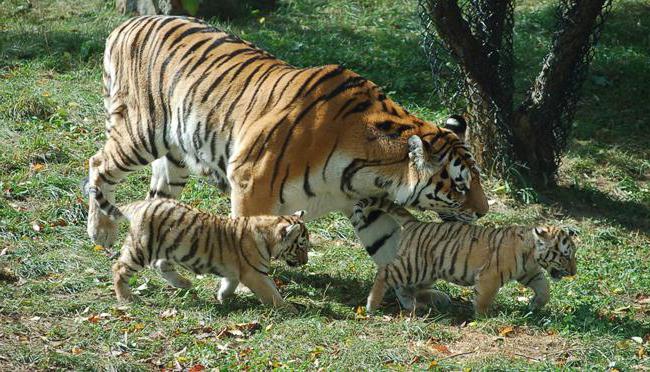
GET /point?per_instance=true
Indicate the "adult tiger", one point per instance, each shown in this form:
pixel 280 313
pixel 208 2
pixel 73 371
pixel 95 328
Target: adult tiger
pixel 186 97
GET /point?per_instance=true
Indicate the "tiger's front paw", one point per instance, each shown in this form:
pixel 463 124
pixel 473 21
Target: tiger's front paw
pixel 101 230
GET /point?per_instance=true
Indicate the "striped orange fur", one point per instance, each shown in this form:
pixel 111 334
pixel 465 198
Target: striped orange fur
pixel 467 255
pixel 165 233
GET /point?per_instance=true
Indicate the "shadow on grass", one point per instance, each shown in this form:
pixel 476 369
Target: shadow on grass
pixel 58 50
pixel 592 203
pixel 585 319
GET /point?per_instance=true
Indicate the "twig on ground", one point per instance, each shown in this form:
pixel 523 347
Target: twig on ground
pixel 527 357
pixel 456 355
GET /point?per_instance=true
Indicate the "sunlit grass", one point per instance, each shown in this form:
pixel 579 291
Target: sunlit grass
pixel 62 312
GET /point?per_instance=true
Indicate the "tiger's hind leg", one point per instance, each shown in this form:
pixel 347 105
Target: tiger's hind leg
pixel 107 168
pixel 169 176
pixel 172 276
pixel 227 288
pixel 377 292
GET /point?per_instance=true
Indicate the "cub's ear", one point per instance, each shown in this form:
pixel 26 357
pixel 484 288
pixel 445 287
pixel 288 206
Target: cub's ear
pixel 457 124
pixel 299 214
pixel 290 232
pixel 418 153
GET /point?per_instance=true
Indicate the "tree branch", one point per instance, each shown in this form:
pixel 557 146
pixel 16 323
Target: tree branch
pixel 456 33
pixel 570 46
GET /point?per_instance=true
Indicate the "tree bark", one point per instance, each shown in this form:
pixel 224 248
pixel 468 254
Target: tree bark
pixel 479 53
pixel 537 122
pixel 482 48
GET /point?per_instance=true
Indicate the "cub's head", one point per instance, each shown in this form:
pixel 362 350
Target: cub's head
pixel 555 251
pixel 293 240
pixel 443 175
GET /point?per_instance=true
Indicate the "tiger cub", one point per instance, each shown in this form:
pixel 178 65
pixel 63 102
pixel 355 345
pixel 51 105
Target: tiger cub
pixel 470 255
pixel 165 232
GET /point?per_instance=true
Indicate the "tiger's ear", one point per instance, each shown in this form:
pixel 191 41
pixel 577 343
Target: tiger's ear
pixel 290 232
pixel 457 124
pixel 418 154
pixel 299 213
pixel 541 236
pixel 571 231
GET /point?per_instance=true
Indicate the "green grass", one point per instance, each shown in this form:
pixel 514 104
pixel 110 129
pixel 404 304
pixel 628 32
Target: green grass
pixel 61 311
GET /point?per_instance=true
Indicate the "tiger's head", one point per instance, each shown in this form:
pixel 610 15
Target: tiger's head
pixel 443 175
pixel 555 251
pixel 292 240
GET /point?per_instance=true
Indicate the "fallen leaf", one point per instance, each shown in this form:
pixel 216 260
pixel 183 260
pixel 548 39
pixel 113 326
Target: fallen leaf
pixel 522 299
pixel 60 223
pixel 506 331
pixel 76 350
pixel 197 368
pixel 360 312
pixel 156 335
pixel 241 330
pixel 37 167
pixel 7 275
pixel 141 288
pixel 98 248
pixel 623 344
pixel 249 327
pixel 4 251
pixel 116 352
pixel 643 299
pixel 235 332
pixel 440 348
pixel 37 226
pixel 182 359
pixel 93 319
pixel 621 310
pixel 433 364
pixel 169 313
pixel 640 352
pixel 638 340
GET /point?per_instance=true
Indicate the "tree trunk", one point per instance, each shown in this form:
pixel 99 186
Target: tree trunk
pixel 542 120
pixel 225 9
pixel 535 134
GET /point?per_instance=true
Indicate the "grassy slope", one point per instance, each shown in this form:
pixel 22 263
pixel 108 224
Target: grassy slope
pixel 62 313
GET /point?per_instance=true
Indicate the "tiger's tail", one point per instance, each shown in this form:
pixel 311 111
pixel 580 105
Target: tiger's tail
pixel 113 212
